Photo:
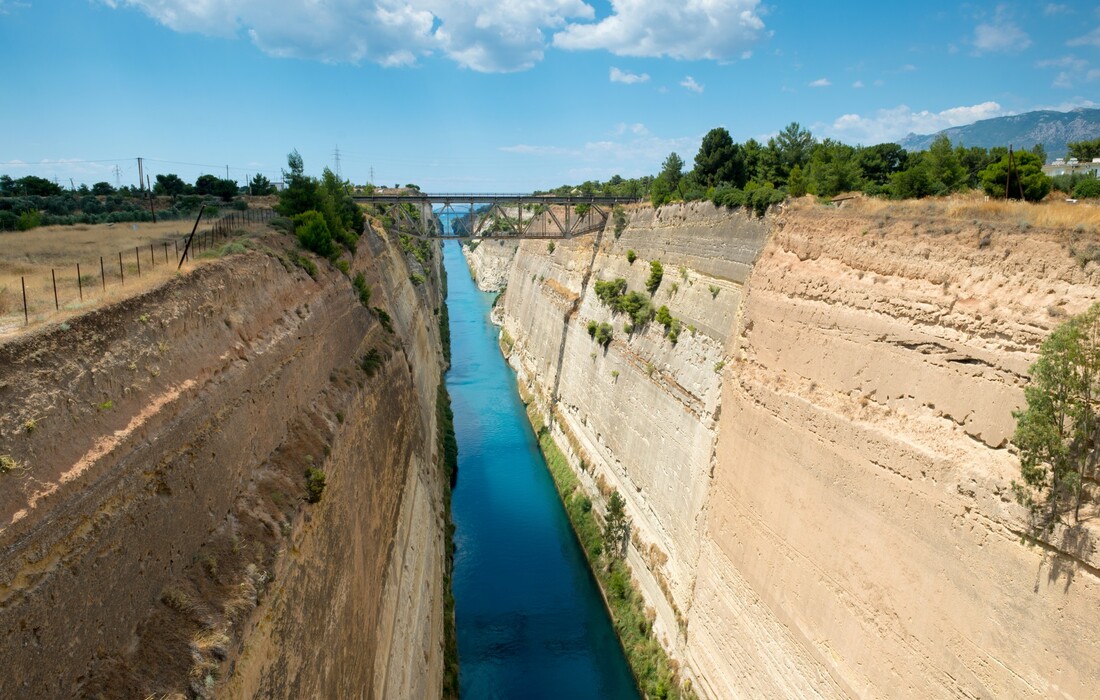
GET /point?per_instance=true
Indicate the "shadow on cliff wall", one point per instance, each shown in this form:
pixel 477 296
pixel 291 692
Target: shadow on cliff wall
pixel 1068 555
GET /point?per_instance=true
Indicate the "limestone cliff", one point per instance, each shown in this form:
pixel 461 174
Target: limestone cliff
pixel 156 532
pixel 493 263
pixel 817 472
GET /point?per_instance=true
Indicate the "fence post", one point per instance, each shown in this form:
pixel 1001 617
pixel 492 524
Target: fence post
pixel 137 258
pixel 53 276
pixel 103 274
pixel 189 239
pixel 26 316
pixel 166 252
pixel 121 273
pixel 152 260
pixel 79 284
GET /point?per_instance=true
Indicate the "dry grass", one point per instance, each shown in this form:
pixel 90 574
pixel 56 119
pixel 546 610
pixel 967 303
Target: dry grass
pixel 31 255
pixel 974 207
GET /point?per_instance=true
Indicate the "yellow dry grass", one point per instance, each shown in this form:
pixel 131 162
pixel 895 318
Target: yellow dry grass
pixel 30 256
pixel 1052 213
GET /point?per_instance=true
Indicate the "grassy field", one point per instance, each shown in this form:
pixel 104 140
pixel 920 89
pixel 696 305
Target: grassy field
pixel 1083 216
pixel 30 256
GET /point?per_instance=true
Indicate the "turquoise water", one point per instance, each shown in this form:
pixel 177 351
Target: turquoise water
pixel 530 620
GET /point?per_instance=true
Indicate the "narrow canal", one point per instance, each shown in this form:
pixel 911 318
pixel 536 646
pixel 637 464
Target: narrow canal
pixel 530 620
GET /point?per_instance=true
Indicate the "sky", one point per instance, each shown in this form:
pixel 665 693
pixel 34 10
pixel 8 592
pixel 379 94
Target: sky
pixel 505 95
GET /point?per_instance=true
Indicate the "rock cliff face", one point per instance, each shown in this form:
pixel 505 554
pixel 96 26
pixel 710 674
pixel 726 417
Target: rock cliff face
pixel 493 263
pixel 818 471
pixel 156 533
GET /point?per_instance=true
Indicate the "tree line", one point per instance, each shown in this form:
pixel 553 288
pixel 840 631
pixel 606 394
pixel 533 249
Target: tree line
pixel 795 163
pixel 33 201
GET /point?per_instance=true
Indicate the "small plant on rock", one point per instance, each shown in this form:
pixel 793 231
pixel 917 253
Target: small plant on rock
pixel 315 484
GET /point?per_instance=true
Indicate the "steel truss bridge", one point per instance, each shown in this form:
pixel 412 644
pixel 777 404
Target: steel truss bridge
pixel 493 215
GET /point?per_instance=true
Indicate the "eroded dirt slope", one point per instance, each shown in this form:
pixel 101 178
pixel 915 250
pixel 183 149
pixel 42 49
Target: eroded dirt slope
pixel 155 528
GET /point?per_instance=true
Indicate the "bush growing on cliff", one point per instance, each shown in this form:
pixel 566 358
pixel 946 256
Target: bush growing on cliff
pixel 604 334
pixel 1059 428
pixel 362 289
pixel 618 215
pixel 635 304
pixel 631 256
pixel 313 233
pixel 616 529
pixel 656 273
pixel 315 484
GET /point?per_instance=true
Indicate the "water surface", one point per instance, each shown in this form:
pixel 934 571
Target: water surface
pixel 530 620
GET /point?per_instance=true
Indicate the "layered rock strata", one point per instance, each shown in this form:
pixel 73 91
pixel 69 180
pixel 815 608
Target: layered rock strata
pixel 817 472
pixel 156 530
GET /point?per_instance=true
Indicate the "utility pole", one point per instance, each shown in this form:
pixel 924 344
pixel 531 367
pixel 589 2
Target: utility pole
pixel 72 186
pixel 336 162
pixel 118 176
pixel 227 172
pixel 141 176
pixel 372 174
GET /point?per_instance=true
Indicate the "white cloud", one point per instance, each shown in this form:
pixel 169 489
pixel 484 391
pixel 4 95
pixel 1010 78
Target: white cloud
pixel 1090 39
pixel 1070 70
pixel 690 84
pixel 1002 34
pixel 6 6
pixel 1092 74
pixel 619 76
pixel 892 124
pixel 483 35
pixel 857 84
pixel 821 82
pixel 631 150
pixel 689 29
pixel 1056 9
pixel 1063 62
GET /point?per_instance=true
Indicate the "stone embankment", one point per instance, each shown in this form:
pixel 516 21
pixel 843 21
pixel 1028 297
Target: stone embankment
pixel 818 472
pixel 155 525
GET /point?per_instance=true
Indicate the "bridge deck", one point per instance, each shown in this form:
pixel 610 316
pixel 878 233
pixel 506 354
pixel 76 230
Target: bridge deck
pixel 494 215
pixel 494 198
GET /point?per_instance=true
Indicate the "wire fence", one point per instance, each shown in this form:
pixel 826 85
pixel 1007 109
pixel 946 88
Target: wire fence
pixel 75 285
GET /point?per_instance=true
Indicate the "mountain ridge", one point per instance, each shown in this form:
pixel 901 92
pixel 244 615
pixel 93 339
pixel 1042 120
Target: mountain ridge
pixel 1051 128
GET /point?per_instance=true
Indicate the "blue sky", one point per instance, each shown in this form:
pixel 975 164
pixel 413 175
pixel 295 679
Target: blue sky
pixel 505 95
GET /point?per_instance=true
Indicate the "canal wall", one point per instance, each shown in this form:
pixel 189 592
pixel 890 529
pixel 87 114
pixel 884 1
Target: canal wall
pixel 818 471
pixel 157 532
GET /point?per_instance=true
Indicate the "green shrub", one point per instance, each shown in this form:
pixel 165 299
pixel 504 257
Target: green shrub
pixel 618 215
pixel 28 220
pixel 656 272
pixel 631 256
pixel 307 265
pixel 362 289
pixel 592 325
pixel 343 266
pixel 664 317
pixel 550 247
pixel 313 233
pixel 635 304
pixel 417 279
pixel 604 333
pixel 1087 188
pixel 371 362
pixel 384 319
pixel 315 484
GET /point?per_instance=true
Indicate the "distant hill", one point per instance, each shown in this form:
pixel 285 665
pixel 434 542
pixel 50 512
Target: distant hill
pixel 1052 129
